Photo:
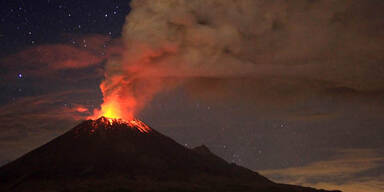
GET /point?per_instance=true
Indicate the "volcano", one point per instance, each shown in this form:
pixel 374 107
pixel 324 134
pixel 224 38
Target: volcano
pixel 115 155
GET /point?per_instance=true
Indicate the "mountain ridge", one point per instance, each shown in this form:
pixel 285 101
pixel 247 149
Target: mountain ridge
pixel 107 155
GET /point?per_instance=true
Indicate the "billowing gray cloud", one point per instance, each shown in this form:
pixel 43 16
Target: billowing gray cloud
pixel 320 44
pixel 336 41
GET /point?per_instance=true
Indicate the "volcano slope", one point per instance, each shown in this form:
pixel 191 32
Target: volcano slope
pixel 114 155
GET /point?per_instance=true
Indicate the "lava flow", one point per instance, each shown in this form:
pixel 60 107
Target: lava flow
pixel 134 123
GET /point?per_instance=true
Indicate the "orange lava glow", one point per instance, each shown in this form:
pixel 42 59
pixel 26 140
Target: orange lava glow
pixel 113 113
pixel 126 90
pixel 141 126
pixel 81 109
pixel 117 104
pixel 134 123
pixel 110 110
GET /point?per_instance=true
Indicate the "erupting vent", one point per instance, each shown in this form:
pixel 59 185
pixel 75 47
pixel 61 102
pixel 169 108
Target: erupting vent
pixel 109 122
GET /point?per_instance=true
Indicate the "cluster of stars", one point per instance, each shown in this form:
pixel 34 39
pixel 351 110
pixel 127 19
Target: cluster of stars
pixel 29 24
pixel 23 25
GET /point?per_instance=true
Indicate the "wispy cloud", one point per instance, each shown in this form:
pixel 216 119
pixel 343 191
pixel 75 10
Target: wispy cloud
pixel 31 121
pixel 343 172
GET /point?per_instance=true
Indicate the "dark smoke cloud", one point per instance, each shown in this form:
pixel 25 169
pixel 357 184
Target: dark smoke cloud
pixel 296 46
pixel 337 41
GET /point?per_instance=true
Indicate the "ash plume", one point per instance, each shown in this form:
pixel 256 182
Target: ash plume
pixel 173 42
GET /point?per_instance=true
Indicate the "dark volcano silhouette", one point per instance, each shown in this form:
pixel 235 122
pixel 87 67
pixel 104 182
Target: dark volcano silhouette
pixel 100 155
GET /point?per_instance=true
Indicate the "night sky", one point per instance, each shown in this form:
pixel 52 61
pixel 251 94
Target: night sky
pixel 297 93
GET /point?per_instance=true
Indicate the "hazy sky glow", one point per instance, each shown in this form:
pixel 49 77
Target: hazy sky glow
pixel 294 90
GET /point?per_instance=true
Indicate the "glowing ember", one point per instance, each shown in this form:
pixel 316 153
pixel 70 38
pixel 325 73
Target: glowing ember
pixel 134 123
pixel 81 109
pixel 116 105
pixel 109 110
pixel 120 111
pixel 112 114
pixel 139 125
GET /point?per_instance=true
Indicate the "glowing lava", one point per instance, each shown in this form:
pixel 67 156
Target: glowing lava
pixel 111 122
pixel 110 110
pixel 141 126
pixel 111 114
pixel 119 105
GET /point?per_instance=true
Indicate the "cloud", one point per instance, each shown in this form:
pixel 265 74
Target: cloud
pixel 367 185
pixel 31 121
pixel 53 57
pixel 293 44
pixel 57 105
pixel 341 172
pixel 319 40
pixel 58 88
pixel 75 52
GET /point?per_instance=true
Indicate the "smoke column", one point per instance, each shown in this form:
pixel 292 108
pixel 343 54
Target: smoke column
pixel 167 43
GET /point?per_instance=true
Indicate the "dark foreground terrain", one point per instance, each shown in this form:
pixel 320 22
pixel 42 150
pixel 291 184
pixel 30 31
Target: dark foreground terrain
pixel 100 155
